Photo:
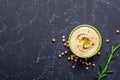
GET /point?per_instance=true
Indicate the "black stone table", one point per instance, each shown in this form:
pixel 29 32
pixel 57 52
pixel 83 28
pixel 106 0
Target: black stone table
pixel 28 26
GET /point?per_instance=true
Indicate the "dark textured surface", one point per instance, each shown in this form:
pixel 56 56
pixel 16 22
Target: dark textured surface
pixel 27 27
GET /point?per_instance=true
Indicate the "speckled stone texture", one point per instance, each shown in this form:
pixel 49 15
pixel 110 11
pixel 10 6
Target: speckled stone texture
pixel 28 26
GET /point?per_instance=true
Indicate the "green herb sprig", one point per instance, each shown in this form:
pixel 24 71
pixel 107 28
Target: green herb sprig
pixel 104 68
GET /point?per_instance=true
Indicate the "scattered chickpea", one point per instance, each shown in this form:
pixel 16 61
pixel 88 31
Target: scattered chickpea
pixel 75 60
pixel 66 52
pixel 86 63
pixel 98 53
pixel 107 40
pixel 86 68
pixel 65 44
pixel 71 58
pixel 83 62
pixel 68 58
pixel 53 40
pixel 93 65
pixel 60 55
pixel 76 57
pixel 86 59
pixel 63 40
pixel 63 37
pixel 89 63
pixel 80 60
pixel 117 31
pixel 73 66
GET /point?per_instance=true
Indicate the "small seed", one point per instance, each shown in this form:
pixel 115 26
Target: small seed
pixel 107 40
pixel 53 40
pixel 117 31
pixel 86 68
pixel 93 65
pixel 63 40
pixel 66 52
pixel 73 66
pixel 63 37
pixel 60 55
pixel 68 58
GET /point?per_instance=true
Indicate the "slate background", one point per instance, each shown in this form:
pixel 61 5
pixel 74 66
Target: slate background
pixel 28 26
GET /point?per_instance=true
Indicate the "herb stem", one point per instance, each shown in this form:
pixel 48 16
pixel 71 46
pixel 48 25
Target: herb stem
pixel 106 66
pixel 104 69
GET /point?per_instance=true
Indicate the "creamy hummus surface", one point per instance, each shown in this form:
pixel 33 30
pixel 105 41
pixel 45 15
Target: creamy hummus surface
pixel 84 41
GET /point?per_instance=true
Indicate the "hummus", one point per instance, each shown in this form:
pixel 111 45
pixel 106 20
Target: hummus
pixel 85 41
